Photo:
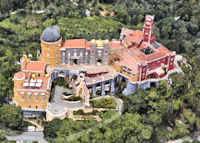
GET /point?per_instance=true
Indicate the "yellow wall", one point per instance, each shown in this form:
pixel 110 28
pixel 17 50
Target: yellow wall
pixel 32 102
pixel 49 52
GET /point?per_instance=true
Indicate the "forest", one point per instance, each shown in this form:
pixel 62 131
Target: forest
pixel 156 115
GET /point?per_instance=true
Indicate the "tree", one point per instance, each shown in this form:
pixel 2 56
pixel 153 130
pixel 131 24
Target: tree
pixel 50 128
pixel 11 116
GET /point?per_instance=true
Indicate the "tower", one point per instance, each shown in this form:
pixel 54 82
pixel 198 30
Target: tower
pixel 23 61
pixel 148 29
pixel 50 45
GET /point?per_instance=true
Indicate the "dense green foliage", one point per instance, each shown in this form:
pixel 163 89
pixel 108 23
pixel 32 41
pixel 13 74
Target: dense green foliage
pixel 60 81
pixel 162 113
pixel 74 98
pixel 11 117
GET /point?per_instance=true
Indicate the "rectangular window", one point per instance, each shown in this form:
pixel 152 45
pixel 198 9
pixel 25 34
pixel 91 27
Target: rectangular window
pixel 99 52
pixel 22 96
pixel 36 96
pixel 29 96
pixel 43 96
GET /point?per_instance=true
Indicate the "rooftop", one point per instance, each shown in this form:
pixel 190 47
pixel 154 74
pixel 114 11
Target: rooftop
pixel 76 43
pixel 41 83
pixel 35 66
pixel 19 76
pixel 133 40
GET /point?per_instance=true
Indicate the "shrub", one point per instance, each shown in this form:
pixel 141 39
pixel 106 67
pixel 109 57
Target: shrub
pixel 74 98
pixel 66 94
pixel 104 103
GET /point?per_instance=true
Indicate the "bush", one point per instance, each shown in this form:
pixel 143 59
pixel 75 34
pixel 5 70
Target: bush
pixel 81 112
pixel 60 81
pixel 66 94
pixel 74 98
pixel 104 103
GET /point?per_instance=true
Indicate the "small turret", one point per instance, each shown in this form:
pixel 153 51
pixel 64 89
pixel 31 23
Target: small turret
pixel 24 60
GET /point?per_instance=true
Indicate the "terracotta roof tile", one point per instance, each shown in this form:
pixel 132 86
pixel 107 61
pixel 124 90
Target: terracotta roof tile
pixel 133 39
pixel 129 61
pixel 35 66
pixel 76 43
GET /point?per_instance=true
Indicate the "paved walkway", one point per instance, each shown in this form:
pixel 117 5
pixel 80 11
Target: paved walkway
pixel 28 136
pixel 58 105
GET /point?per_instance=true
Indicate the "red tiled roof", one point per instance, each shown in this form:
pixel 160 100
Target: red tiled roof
pixel 129 61
pixel 35 66
pixel 126 31
pixel 133 39
pixel 19 76
pixel 76 43
pixel 158 53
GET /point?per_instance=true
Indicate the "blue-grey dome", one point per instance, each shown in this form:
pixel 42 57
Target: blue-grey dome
pixel 51 34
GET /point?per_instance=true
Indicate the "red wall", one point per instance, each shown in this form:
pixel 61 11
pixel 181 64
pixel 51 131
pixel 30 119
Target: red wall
pixel 171 62
pixel 156 64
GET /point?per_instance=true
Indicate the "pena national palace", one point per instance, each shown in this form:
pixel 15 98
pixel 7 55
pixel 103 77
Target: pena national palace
pixel 136 58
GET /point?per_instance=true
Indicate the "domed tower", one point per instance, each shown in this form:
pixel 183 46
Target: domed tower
pixel 50 43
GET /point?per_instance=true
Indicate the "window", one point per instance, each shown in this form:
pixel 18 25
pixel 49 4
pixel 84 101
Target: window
pixel 22 96
pixel 69 54
pixel 29 96
pixel 36 96
pixel 75 54
pixel 99 52
pixel 43 96
pixel 86 53
pixel 81 54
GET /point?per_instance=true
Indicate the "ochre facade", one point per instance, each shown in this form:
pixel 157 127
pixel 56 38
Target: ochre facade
pixel 51 52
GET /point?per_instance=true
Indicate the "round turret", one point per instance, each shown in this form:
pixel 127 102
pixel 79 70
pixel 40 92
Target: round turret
pixel 51 42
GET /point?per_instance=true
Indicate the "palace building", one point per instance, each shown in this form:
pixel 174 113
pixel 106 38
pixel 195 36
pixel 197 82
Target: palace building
pixel 137 58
